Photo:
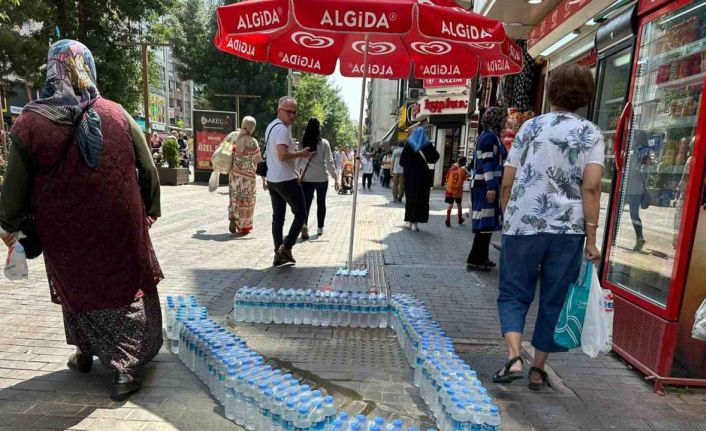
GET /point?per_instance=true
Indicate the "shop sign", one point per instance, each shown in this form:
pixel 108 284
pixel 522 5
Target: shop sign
pixel 413 111
pixel 649 5
pixel 210 129
pixel 446 82
pixel 588 60
pixel 565 10
pixel 402 117
pixel 160 127
pixel 16 110
pixel 449 105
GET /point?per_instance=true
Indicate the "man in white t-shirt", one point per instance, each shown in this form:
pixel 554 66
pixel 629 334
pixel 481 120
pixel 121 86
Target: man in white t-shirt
pixel 397 173
pixel 283 180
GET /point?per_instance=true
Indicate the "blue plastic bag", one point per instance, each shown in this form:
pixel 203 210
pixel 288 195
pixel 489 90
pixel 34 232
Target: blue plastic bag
pixel 567 332
pixel 418 140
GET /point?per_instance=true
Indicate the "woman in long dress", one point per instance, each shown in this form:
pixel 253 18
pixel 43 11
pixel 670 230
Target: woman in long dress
pixel 241 180
pixel 416 157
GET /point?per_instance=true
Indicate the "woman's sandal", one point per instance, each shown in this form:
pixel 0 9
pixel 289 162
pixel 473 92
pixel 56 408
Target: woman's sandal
pixel 537 386
pixel 505 375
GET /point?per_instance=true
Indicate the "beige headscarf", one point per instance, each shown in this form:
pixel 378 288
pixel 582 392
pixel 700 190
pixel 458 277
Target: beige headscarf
pixel 247 127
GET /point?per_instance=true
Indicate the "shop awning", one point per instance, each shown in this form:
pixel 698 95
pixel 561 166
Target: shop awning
pixel 388 136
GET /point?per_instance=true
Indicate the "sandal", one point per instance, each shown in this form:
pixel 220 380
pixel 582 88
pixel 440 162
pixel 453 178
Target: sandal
pixel 470 267
pixel 537 386
pixel 505 375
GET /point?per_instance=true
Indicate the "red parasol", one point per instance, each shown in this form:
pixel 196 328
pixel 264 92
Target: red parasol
pixel 369 39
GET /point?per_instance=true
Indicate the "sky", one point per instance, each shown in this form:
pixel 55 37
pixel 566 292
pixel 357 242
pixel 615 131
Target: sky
pixel 350 90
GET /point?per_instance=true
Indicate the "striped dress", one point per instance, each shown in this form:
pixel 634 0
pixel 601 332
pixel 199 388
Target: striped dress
pixel 488 160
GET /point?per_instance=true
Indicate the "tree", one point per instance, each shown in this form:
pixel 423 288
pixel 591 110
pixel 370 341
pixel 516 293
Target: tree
pixel 216 72
pixel 103 27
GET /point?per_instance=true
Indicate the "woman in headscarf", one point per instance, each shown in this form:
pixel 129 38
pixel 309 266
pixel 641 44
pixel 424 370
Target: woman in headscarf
pixel 241 181
pixel 488 160
pixel 93 220
pixel 314 176
pixel 417 154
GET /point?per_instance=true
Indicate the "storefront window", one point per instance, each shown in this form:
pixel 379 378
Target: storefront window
pixel 669 83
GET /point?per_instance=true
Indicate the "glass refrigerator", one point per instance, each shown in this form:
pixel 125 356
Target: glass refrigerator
pixel 654 254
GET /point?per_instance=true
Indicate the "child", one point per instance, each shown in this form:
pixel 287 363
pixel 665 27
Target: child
pixel 455 178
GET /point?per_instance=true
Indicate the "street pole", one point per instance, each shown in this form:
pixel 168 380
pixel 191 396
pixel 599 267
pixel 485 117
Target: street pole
pixel 145 80
pixel 237 103
pixel 146 90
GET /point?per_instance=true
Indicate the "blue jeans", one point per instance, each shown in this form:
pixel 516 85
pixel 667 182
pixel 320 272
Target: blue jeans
pixel 553 258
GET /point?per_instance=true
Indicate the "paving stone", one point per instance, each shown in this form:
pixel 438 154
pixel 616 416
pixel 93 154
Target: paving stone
pixel 198 257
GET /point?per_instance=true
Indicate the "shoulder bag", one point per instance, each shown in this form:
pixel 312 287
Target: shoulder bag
pixel 261 168
pixel 31 242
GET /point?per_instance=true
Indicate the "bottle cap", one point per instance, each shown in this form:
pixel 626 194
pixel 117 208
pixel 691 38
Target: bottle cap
pixel 303 411
pixel 328 400
pixel 291 404
pixel 379 420
pixel 397 422
pixel 375 428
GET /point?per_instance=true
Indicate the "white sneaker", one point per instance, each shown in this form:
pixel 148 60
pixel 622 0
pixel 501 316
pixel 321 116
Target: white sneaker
pixel 320 231
pixel 414 227
pixel 408 225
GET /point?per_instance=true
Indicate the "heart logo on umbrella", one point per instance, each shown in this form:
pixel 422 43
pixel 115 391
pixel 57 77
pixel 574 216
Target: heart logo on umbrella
pixel 431 48
pixel 308 40
pixel 374 48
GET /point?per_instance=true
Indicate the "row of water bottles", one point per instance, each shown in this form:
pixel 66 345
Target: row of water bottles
pixel 346 422
pixel 350 279
pixel 180 309
pixel 253 394
pixel 448 385
pixel 311 307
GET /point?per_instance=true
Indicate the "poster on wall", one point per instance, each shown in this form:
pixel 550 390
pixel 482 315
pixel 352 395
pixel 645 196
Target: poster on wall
pixel 210 129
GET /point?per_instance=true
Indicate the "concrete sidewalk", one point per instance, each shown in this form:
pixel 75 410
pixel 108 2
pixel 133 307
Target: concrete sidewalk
pixel 200 257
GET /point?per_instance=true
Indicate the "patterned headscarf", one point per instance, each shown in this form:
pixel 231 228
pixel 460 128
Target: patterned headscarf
pixel 418 140
pixel 493 119
pixel 70 87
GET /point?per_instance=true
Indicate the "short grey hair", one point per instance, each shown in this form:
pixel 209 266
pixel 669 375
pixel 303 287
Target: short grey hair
pixel 285 99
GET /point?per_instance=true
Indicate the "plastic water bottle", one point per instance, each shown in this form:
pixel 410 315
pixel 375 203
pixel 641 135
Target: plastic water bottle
pixel 302 421
pixel 383 309
pixel 268 304
pixel 230 394
pixel 289 307
pixel 459 418
pixel 329 411
pixel 263 421
pixel 276 412
pixel 354 318
pixel 477 419
pixel 492 419
pixel 356 425
pixel 317 418
pixel 290 413
pixel 316 314
pixel 336 425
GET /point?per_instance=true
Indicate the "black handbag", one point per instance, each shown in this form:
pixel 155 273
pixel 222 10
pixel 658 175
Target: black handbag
pixel 261 168
pixel 31 242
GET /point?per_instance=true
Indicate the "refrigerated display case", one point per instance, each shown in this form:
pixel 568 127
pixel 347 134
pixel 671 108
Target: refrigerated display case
pixel 657 198
pixel 615 42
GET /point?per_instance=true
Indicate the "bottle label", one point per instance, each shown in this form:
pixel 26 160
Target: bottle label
pixel 265 412
pixel 319 426
pixel 287 425
pixel 300 429
pixel 276 419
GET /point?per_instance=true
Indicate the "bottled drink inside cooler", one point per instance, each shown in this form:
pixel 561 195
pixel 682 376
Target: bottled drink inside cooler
pixel 668 89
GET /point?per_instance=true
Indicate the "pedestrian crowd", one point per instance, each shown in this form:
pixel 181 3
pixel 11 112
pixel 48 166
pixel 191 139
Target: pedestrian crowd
pixel 80 160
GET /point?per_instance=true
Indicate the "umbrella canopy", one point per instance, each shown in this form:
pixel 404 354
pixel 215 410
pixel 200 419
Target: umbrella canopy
pixel 436 37
pixel 368 38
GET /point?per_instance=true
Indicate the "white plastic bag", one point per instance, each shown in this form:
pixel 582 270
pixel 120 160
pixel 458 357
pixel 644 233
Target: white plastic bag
pixel 16 263
pixel 597 334
pixel 699 329
pixel 213 181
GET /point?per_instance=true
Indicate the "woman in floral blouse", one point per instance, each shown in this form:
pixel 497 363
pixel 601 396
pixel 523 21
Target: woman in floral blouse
pixel 551 198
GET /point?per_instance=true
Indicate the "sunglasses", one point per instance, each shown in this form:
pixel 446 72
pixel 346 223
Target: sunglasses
pixel 289 111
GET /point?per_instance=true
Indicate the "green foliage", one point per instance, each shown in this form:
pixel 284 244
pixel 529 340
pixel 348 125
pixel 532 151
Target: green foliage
pixel 170 151
pixel 104 27
pixel 180 123
pixel 216 72
pixel 316 97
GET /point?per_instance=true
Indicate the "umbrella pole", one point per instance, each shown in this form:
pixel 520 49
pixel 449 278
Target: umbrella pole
pixel 360 147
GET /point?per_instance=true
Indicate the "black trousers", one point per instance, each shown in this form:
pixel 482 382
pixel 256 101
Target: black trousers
pixel 368 178
pixel 480 250
pixel 320 188
pixel 283 194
